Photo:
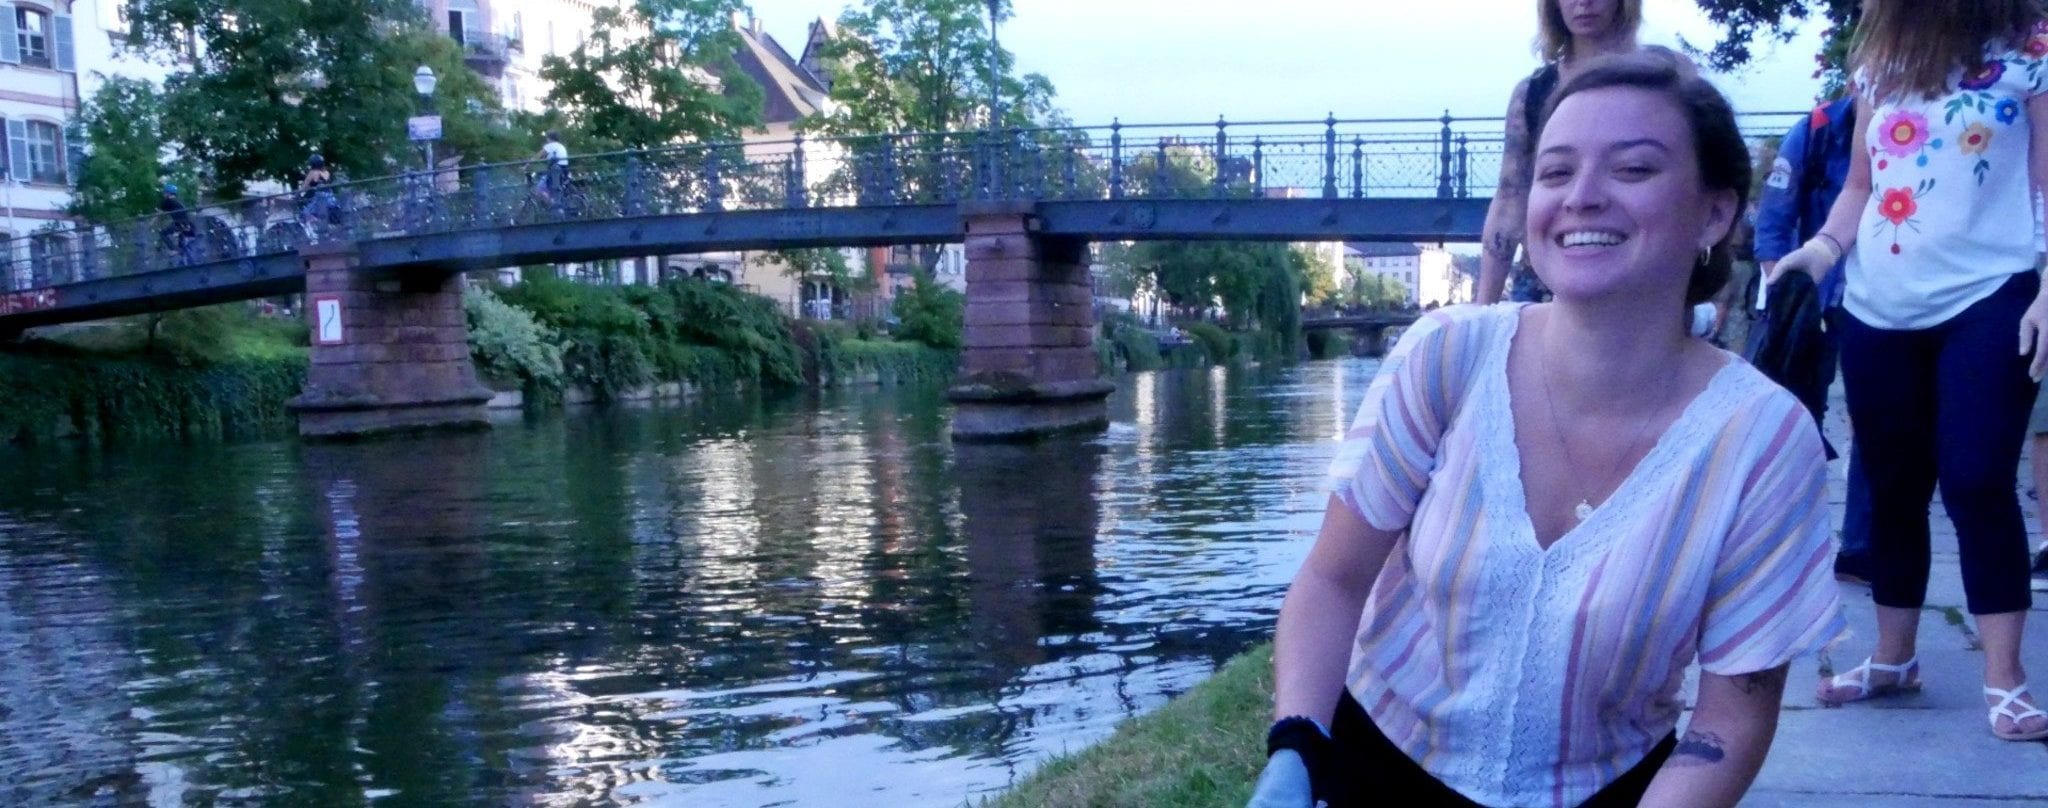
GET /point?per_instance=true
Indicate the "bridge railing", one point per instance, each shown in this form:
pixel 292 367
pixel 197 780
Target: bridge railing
pixel 1330 158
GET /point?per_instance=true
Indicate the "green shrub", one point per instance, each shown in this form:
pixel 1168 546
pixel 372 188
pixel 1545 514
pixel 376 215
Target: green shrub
pixel 47 391
pixel 510 347
pixel 1137 346
pixel 930 313
pixel 1213 339
pixel 616 339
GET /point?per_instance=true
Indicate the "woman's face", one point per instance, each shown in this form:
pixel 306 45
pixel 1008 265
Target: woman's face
pixel 1618 207
pixel 1589 19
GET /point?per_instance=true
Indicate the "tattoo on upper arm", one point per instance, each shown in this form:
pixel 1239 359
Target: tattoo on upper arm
pixel 1512 194
pixel 1770 683
pixel 1502 245
pixel 1698 748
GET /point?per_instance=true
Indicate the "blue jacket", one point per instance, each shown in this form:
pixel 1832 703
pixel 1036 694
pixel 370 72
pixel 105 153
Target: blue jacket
pixel 1812 165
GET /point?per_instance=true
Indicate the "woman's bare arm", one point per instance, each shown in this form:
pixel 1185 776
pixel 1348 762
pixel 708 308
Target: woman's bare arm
pixel 1320 617
pixel 1506 217
pixel 1724 745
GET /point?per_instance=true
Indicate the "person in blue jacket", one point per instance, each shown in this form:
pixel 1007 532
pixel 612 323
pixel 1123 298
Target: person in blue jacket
pixel 1813 162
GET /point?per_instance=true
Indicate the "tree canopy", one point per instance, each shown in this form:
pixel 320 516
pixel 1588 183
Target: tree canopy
pixel 656 73
pixel 272 81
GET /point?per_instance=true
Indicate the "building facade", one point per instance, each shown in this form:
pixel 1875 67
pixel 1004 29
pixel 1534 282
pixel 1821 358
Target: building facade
pixel 1429 273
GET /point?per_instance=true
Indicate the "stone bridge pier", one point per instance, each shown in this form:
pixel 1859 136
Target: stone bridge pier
pixel 1027 367
pixel 390 352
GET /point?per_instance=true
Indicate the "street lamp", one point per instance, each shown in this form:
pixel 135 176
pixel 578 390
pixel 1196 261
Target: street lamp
pixel 423 82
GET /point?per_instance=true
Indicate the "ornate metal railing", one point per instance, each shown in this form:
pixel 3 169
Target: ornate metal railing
pixel 1332 158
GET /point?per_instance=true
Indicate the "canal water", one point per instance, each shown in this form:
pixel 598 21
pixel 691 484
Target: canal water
pixel 735 602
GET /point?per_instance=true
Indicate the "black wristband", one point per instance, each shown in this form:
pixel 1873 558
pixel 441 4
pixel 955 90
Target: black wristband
pixel 1299 733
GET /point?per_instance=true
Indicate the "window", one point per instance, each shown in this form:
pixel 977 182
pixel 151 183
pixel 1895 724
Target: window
pixel 45 153
pixel 32 30
pixel 48 260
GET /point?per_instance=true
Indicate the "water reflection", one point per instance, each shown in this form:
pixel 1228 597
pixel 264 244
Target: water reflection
pixel 742 602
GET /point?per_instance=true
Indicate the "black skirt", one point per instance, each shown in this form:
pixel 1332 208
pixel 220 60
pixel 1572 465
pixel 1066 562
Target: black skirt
pixel 1386 776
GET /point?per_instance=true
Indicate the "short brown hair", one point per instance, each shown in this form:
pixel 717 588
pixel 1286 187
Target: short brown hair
pixel 1911 47
pixel 1718 146
pixel 1554 39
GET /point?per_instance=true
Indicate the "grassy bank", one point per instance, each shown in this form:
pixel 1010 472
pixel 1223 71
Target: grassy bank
pixel 1205 748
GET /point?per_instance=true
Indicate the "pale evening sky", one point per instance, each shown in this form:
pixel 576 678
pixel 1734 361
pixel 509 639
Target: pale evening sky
pixel 1179 60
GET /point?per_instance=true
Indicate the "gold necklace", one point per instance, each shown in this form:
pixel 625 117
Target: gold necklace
pixel 1584 510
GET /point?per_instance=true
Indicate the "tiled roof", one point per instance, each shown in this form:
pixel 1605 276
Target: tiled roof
pixel 1374 249
pixel 790 92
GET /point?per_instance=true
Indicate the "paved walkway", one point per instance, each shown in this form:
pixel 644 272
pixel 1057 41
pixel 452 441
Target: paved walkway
pixel 1930 750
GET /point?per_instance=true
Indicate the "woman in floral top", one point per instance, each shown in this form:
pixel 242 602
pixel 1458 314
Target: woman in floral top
pixel 1941 228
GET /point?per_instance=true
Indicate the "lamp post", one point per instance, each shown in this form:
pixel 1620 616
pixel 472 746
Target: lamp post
pixel 423 82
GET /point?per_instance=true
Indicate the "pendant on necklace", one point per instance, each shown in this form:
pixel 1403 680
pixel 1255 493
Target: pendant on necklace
pixel 1584 510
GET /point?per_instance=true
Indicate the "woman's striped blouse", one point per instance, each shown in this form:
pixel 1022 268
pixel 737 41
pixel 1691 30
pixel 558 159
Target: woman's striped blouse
pixel 1523 675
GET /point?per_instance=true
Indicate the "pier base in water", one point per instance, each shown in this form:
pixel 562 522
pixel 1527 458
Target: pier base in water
pixel 389 354
pixel 1028 366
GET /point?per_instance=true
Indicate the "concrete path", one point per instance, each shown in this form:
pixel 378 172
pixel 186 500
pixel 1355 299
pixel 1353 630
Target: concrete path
pixel 1930 750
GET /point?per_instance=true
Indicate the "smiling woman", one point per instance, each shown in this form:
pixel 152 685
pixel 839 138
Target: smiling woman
pixel 1567 464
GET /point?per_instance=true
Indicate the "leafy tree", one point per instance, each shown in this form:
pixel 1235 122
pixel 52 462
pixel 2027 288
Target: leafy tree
pixel 922 66
pixel 930 313
pixel 1376 291
pixel 821 264
pixel 1318 277
pixel 279 79
pixel 656 73
pixel 1743 21
pixel 124 168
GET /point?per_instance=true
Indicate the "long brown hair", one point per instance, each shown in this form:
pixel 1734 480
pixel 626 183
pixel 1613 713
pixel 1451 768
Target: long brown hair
pixel 1554 39
pixel 1912 47
pixel 1717 142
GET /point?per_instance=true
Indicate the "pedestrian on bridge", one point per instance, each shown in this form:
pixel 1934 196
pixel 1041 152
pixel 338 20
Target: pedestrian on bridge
pixel 1544 513
pixel 1939 222
pixel 1571 34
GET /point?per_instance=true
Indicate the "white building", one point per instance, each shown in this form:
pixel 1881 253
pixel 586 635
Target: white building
pixel 507 41
pixel 1430 273
pixel 39 101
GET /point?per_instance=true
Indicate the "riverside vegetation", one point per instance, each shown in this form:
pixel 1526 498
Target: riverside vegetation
pixel 227 371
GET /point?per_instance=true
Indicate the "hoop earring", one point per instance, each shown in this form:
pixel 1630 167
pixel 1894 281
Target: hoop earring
pixel 1706 257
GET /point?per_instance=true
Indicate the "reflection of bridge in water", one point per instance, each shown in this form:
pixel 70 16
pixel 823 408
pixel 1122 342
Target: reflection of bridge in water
pixel 1026 202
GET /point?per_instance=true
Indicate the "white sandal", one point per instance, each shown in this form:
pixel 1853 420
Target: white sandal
pixel 2007 701
pixel 1859 678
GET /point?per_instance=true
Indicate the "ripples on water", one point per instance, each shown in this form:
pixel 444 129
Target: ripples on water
pixel 732 603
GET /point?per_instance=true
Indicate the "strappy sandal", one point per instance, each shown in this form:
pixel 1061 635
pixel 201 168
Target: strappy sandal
pixel 1859 678
pixel 2008 700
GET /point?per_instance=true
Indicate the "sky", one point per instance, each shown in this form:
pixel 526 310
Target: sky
pixel 1172 61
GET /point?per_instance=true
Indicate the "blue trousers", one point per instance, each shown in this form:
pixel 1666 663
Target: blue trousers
pixel 1856 511
pixel 1946 405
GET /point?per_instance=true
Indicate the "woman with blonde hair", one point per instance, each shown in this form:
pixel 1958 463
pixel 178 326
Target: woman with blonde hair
pixel 1570 33
pixel 1939 221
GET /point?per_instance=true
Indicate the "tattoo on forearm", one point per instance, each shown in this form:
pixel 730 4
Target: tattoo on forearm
pixel 1770 682
pixel 1502 246
pixel 1698 748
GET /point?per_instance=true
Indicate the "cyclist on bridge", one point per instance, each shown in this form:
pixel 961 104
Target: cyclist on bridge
pixel 556 175
pixel 179 229
pixel 318 192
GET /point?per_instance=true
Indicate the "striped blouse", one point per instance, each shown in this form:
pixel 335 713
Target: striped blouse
pixel 1520 675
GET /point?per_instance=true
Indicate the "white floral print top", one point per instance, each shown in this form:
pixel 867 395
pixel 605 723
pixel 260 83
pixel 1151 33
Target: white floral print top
pixel 1951 213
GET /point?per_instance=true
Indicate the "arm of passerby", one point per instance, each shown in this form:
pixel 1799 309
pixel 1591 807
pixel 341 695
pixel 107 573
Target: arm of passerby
pixel 1724 745
pixel 1777 211
pixel 1819 254
pixel 2034 323
pixel 1506 215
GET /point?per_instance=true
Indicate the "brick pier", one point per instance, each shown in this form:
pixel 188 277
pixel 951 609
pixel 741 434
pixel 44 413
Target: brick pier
pixel 1028 367
pixel 389 353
